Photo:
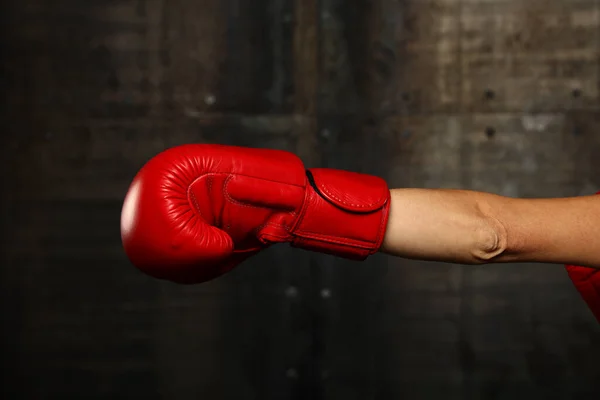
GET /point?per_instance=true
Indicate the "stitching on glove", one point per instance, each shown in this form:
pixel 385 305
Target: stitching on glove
pixel 303 210
pixel 195 207
pixel 232 200
pixel 324 238
pixel 239 203
pixel 286 238
pixel 345 202
pixel 319 188
pixel 284 227
pixel 184 182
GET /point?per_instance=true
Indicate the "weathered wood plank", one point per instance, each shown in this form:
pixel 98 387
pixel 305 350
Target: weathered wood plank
pixel 510 154
pixel 535 56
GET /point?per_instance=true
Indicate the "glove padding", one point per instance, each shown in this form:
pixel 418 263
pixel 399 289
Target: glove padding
pixel 194 212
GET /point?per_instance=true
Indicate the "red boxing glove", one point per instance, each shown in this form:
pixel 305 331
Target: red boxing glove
pixel 194 212
pixel 587 282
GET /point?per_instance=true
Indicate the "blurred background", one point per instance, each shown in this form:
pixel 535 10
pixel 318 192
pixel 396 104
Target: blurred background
pixel 493 95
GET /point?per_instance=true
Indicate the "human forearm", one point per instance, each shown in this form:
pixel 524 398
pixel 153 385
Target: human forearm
pixel 559 230
pixel 473 227
pixel 440 225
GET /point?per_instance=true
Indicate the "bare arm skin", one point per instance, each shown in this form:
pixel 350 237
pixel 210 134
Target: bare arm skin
pixel 471 227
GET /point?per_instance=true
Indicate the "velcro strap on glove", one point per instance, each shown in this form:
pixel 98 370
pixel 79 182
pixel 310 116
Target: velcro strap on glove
pixel 344 214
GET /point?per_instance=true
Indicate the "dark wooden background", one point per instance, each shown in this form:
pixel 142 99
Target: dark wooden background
pixel 494 95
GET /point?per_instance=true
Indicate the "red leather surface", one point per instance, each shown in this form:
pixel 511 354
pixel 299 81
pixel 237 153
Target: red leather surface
pixel 325 226
pixel 587 282
pixel 368 193
pixel 194 212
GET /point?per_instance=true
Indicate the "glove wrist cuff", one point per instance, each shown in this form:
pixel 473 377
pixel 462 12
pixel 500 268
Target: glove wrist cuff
pixel 344 214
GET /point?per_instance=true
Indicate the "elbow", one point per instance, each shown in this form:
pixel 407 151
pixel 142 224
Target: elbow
pixel 490 242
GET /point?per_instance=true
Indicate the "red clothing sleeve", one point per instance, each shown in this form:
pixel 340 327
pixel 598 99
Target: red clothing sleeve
pixel 587 282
